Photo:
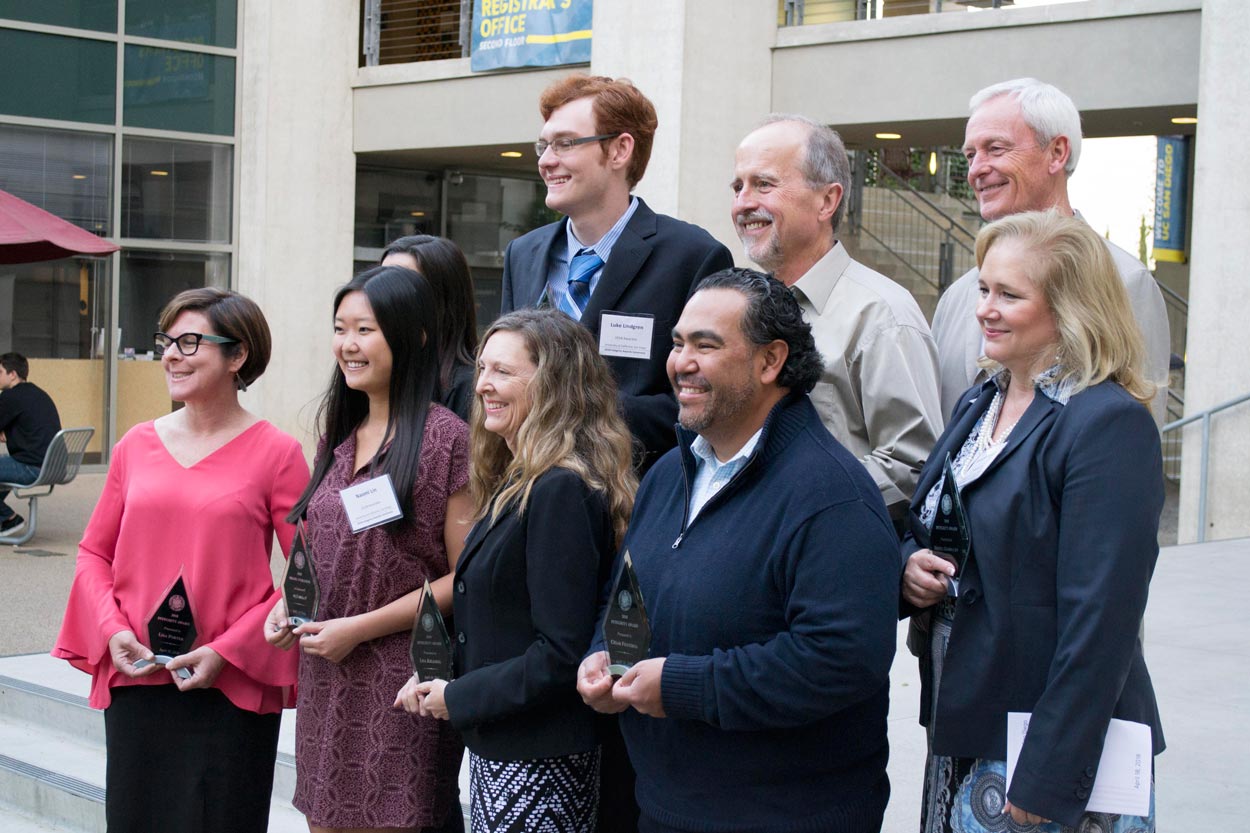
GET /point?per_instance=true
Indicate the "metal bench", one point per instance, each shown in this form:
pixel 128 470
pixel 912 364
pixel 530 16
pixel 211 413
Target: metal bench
pixel 60 466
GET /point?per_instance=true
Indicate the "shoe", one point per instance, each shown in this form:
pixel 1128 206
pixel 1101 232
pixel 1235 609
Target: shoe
pixel 11 523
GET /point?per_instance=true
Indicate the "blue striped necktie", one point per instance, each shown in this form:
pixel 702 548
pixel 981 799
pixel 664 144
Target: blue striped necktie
pixel 584 264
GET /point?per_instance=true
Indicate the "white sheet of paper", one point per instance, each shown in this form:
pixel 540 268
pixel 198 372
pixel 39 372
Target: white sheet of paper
pixel 371 503
pixel 625 335
pixel 1123 781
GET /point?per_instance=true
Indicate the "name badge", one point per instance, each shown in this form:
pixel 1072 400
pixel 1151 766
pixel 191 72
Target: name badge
pixel 625 335
pixel 371 503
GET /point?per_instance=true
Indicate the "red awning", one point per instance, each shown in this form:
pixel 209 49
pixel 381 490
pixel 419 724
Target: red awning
pixel 28 233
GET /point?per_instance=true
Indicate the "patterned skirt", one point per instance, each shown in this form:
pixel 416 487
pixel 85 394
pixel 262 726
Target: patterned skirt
pixel 547 795
pixel 967 795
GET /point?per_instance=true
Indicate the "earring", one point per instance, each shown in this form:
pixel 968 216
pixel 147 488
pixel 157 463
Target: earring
pixel 240 383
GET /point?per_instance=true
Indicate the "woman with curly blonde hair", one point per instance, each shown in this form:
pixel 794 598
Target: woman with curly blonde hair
pixel 552 484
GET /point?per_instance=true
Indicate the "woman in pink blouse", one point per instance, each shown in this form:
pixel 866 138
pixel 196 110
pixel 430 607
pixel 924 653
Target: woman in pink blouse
pixel 195 496
pixel 361 764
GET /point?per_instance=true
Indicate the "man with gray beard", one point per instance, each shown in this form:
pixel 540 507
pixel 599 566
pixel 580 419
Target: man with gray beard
pixel 878 394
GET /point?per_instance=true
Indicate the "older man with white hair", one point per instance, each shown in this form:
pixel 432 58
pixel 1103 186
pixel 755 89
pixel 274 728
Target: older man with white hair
pixel 1022 143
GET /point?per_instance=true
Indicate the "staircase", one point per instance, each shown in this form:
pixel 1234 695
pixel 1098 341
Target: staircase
pixel 922 240
pixel 52 753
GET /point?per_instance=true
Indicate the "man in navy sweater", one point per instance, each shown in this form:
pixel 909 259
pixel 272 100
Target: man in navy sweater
pixel 770 571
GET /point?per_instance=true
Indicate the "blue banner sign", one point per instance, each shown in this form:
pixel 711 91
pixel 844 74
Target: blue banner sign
pixel 530 33
pixel 1170 199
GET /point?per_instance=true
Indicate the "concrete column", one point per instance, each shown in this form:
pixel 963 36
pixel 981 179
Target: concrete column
pixel 1219 342
pixel 707 66
pixel 297 172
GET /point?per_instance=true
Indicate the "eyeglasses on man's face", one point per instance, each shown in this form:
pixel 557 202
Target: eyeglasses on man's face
pixel 562 146
pixel 187 343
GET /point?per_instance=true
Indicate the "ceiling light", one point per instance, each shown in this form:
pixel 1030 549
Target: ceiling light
pixel 79 176
pixel 889 135
pixel 512 154
pixel 160 173
pixel 1185 120
pixel 416 213
pixel 933 163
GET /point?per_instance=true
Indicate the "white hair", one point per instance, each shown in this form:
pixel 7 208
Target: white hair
pixel 1046 109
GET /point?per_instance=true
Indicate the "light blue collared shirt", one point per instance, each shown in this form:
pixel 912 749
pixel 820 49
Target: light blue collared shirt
pixel 558 271
pixel 711 475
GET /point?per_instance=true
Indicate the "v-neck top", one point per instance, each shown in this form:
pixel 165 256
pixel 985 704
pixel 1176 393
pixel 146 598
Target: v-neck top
pixel 211 523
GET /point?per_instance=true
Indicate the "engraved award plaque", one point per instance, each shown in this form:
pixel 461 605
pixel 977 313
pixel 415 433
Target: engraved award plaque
pixel 431 646
pixel 299 582
pixel 171 629
pixel 626 631
pixel 950 536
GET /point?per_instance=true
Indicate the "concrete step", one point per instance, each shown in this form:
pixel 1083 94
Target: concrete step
pixel 13 820
pixel 52 752
pixel 52 755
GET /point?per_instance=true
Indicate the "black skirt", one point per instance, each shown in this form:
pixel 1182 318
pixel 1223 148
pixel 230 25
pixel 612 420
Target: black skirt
pixel 187 761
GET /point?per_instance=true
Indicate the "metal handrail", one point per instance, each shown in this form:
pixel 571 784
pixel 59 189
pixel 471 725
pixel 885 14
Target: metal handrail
pixel 1172 295
pixel 951 225
pixel 899 257
pixel 1204 459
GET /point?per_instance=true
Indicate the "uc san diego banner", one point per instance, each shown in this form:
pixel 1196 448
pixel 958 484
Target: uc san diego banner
pixel 530 33
pixel 1170 197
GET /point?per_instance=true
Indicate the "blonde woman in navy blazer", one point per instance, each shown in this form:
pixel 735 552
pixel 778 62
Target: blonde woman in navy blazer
pixel 1059 467
pixel 553 486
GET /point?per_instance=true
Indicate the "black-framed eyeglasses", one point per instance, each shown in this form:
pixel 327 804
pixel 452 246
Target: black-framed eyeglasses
pixel 562 146
pixel 188 343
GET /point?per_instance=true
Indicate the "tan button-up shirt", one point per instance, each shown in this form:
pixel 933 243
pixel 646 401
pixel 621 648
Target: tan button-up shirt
pixel 878 394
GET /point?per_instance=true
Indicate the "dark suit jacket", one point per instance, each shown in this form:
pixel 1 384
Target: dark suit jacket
pixel 525 600
pixel 1064 530
pixel 655 266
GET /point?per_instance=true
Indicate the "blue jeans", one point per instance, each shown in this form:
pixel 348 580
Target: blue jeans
pixel 11 471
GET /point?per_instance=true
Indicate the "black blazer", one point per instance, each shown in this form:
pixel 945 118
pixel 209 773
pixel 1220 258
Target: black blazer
pixel 655 266
pixel 1064 541
pixel 525 600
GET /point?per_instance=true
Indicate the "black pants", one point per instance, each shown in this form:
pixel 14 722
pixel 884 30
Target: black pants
pixel 187 761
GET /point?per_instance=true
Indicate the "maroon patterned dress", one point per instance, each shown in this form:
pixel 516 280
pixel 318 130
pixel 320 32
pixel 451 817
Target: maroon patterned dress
pixel 360 762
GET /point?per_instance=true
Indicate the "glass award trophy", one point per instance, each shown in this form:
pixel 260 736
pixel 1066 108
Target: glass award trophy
pixel 626 631
pixel 950 536
pixel 299 581
pixel 171 628
pixel 431 646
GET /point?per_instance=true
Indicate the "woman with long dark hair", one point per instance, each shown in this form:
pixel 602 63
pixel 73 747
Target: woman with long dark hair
pixel 553 486
pixel 361 764
pixel 442 263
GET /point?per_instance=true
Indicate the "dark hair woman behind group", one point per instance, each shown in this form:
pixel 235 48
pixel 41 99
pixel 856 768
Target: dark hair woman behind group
pixel 443 265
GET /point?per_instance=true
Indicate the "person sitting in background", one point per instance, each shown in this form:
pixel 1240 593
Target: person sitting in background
pixel 1058 465
pixel 443 265
pixel 28 422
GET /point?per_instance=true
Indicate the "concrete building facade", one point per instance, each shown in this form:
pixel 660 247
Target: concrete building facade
pixel 331 155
